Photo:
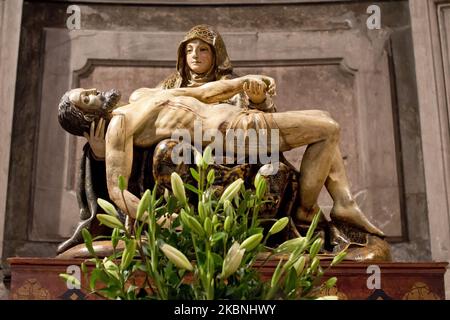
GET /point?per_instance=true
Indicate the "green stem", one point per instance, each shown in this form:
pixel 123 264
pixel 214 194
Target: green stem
pixel 209 272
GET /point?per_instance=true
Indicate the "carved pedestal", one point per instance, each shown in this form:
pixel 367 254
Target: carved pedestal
pixel 37 278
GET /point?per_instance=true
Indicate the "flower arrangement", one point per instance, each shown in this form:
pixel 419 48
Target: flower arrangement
pixel 203 251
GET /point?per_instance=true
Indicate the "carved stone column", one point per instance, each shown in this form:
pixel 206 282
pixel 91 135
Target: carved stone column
pixel 10 18
pixel 430 22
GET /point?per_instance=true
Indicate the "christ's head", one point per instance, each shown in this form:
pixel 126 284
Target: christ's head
pixel 79 107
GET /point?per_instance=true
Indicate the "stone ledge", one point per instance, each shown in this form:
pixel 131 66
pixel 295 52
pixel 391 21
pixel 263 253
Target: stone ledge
pixel 37 278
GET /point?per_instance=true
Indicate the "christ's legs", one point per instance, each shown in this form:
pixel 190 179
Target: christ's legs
pixel 322 164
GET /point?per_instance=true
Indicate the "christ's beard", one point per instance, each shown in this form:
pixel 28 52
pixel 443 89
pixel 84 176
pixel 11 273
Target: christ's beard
pixel 111 97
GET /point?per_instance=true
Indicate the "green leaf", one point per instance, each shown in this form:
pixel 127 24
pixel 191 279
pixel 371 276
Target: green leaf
pixel 97 274
pixel 195 174
pixel 217 237
pixel 190 187
pixel 84 268
pixel 276 275
pixel 171 204
pixel 88 241
pixel 290 282
pixel 111 269
pixel 313 225
pixel 218 260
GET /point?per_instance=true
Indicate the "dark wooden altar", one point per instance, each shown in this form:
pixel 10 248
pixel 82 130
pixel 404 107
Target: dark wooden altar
pixel 37 278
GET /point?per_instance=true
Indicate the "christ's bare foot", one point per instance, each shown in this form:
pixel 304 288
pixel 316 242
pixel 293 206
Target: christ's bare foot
pixel 306 216
pixel 353 215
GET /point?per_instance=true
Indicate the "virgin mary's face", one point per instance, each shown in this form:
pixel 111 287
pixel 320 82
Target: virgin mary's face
pixel 199 56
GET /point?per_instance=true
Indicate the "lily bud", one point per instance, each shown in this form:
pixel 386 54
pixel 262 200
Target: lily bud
pixel 128 254
pixel 232 260
pixel 331 282
pixel 251 242
pixel 115 238
pixel 185 218
pixel 166 194
pixel 198 158
pixel 107 207
pixel 215 220
pixel 261 188
pixel 211 176
pixel 201 211
pixel 143 204
pixel 228 208
pixel 88 240
pixel 176 257
pixel 207 156
pixel 178 187
pixel 299 265
pixel 315 247
pixel 122 183
pixel 314 264
pixel 231 190
pixel 110 221
pixel 279 225
pixel 196 226
pixel 208 226
pixel 289 246
pixel 337 259
pixel 228 224
pixel 258 179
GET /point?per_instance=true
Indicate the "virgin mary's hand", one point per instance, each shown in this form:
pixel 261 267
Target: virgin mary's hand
pixel 96 139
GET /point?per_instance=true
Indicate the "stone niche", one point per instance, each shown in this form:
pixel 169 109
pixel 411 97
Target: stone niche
pixel 322 57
